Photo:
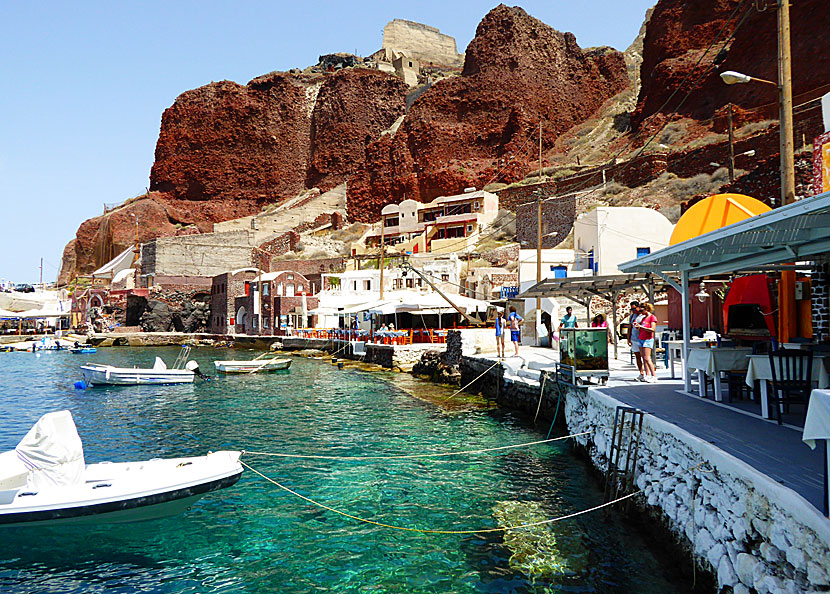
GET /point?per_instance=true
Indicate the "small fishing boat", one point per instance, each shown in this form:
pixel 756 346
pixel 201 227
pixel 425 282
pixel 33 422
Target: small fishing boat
pixel 44 481
pixel 253 366
pixel 83 350
pixel 97 374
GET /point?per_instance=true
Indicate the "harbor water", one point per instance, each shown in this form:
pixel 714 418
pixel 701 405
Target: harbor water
pixel 256 538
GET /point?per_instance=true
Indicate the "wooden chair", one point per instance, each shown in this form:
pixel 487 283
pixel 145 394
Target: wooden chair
pixel 792 379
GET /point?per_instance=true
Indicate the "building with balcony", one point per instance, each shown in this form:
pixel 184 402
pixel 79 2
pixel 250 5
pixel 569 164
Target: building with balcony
pixel 445 225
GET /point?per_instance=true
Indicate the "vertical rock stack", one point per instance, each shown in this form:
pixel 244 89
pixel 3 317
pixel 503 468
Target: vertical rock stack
pixel 482 126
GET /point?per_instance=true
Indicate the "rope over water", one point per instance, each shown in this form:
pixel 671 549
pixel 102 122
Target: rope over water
pixel 458 391
pixel 477 531
pixel 411 456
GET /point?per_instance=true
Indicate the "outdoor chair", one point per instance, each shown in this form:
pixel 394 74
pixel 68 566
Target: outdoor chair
pixel 736 380
pixel 792 379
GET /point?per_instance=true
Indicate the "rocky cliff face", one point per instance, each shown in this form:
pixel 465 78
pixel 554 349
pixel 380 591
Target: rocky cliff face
pixel 353 107
pixel 225 150
pixel 264 140
pixel 679 31
pixel 483 126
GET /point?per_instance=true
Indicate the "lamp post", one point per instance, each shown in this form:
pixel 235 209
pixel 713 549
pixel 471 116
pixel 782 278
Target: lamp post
pixel 785 100
pixel 702 296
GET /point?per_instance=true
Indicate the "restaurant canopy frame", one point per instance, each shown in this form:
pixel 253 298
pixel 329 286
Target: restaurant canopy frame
pixel 791 233
pixel 583 288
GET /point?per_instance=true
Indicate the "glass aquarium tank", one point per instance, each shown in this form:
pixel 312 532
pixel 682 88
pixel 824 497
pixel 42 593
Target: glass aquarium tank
pixel 584 349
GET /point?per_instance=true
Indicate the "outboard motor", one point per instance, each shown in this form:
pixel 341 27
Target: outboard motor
pixel 194 367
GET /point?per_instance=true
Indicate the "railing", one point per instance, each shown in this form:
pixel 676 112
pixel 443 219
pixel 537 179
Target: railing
pixel 393 337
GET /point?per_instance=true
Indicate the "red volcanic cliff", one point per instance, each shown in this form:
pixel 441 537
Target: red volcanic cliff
pixel 229 141
pixel 225 150
pixel 483 126
pixel 353 107
pixel 679 32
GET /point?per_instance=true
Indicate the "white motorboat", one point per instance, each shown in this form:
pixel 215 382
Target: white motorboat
pixel 253 366
pixel 44 481
pixel 97 374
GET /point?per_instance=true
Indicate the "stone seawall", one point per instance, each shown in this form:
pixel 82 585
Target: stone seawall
pixel 749 533
pixel 401 357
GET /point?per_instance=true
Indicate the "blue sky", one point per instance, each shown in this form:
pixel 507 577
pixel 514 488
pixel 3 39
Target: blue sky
pixel 84 85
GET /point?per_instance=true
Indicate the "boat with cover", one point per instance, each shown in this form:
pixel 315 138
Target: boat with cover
pixel 252 366
pixel 45 481
pixel 83 350
pixel 97 374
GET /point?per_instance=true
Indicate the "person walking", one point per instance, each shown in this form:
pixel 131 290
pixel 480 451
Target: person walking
pixel 514 320
pixel 634 336
pixel 647 328
pixel 500 323
pixel 569 321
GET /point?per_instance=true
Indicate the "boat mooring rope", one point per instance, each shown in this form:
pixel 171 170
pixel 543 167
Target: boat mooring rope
pixel 541 397
pixel 413 456
pixel 459 390
pixel 477 531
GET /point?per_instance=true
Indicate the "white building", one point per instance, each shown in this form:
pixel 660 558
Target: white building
pixel 445 225
pixel 609 235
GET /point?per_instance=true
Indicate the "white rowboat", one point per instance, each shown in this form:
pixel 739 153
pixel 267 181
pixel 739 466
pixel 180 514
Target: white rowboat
pixel 45 481
pixel 252 366
pixel 96 374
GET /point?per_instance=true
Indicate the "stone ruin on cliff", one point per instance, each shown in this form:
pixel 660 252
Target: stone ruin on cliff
pixel 409 48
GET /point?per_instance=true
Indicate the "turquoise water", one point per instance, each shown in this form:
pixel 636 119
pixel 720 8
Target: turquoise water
pixel 256 538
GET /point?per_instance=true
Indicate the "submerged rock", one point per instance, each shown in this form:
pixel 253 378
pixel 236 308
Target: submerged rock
pixel 544 551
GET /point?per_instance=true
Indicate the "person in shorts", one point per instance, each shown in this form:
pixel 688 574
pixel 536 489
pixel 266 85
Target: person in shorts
pixel 500 324
pixel 633 336
pixel 514 320
pixel 647 327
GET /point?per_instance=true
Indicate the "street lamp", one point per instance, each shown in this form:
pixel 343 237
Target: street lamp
pixel 785 100
pixel 702 296
pixel 731 77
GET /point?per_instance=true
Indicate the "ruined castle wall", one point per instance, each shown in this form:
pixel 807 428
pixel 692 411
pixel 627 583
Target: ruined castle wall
pixel 207 254
pixel 425 43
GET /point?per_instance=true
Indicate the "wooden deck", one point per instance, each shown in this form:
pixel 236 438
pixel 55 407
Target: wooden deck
pixel 774 450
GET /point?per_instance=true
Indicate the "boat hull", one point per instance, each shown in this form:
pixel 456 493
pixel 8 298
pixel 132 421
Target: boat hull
pixel 98 375
pixel 252 366
pixel 100 507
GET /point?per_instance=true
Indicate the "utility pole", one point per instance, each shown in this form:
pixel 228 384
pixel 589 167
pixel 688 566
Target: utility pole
pixel 382 250
pixel 539 235
pixel 41 274
pixel 731 146
pixel 785 94
pixel 259 291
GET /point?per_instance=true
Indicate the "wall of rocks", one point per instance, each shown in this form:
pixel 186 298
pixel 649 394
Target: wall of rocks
pixel 558 217
pixel 751 534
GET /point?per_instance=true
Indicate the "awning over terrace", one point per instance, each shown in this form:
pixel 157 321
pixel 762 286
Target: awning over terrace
pixel 792 233
pixel 583 288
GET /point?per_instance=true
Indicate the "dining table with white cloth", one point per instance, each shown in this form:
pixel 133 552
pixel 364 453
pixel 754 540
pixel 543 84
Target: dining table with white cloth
pixel 759 369
pixel 817 428
pixel 712 362
pixel 674 350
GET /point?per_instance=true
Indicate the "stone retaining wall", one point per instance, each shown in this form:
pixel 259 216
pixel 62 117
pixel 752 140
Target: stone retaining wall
pixel 750 533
